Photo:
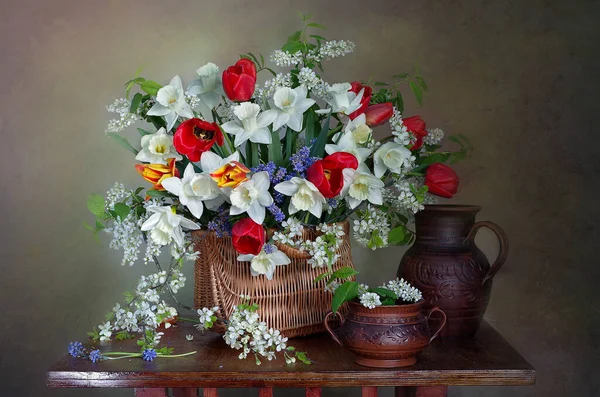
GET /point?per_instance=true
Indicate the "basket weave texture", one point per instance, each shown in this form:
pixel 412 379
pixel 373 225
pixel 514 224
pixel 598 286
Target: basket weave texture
pixel 291 302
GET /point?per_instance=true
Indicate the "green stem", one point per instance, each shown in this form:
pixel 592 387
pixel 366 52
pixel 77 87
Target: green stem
pixel 176 355
pixel 190 320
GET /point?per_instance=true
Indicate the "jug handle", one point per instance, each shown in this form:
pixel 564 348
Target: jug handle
pixel 502 239
pixel 433 310
pixel 331 332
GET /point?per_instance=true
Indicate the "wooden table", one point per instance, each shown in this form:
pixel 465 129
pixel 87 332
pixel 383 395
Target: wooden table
pixel 485 360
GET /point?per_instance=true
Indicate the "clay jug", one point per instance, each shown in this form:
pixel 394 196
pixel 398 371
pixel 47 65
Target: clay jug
pixel 386 336
pixel 446 265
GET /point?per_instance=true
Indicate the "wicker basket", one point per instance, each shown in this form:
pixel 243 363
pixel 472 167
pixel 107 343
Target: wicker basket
pixel 291 302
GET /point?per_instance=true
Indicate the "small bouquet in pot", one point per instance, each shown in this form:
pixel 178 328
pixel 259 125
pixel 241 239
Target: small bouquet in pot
pixel 234 156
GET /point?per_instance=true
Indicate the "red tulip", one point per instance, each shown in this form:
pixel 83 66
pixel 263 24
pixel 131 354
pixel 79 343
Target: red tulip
pixel 194 137
pixel 416 125
pixel 327 175
pixel 247 236
pixel 239 80
pixel 441 180
pixel 364 102
pixel 379 113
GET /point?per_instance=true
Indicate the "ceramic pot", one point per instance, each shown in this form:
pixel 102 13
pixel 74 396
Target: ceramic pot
pixel 447 267
pixel 386 336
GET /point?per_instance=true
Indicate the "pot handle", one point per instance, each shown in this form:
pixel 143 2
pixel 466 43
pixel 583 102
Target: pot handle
pixel 331 332
pixel 502 239
pixel 433 310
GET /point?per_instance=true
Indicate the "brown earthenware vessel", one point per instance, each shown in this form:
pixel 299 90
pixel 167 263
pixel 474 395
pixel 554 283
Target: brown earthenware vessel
pixel 447 267
pixel 386 336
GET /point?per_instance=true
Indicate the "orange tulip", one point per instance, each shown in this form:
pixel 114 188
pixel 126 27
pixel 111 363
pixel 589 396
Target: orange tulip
pixel 156 173
pixel 231 174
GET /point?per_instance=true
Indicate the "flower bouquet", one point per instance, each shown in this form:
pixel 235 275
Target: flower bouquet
pixel 265 177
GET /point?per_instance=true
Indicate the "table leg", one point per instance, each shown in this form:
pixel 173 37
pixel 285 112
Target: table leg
pixel 152 392
pixel 313 392
pixel 210 392
pixel 185 392
pixel 422 391
pixel 369 391
pixel 265 392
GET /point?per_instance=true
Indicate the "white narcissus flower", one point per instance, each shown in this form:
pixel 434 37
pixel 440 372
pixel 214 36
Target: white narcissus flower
pixel 359 130
pixel 361 185
pixel 347 143
pixel 208 88
pixel 342 99
pixel 195 191
pixel 250 124
pixel 210 162
pixel 305 196
pixel 252 196
pixel 170 102
pixel 266 261
pixel 390 156
pixel 157 148
pixel 290 105
pixel 165 225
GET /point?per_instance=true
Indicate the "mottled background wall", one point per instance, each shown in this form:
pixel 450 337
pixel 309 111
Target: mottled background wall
pixel 520 78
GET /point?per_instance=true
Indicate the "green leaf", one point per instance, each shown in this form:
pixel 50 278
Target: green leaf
pixel 321 276
pixel 317 37
pixel 290 142
pixel 318 149
pixel 135 102
pixel 252 153
pixel 400 76
pixel 290 348
pixel 397 234
pixel 441 157
pixel 344 293
pixel 292 47
pixel 309 131
pixel 416 89
pixel 399 102
pixel 344 272
pixel 144 132
pixel 88 226
pixel 384 292
pixel 302 357
pixel 123 142
pixel 95 204
pixel 422 83
pixel 316 25
pixel 151 87
pixel 158 193
pixel 122 210
pixel 380 83
pixel 138 190
pixel 122 335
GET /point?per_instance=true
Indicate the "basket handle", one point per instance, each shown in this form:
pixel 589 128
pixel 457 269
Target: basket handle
pixel 331 332
pixel 433 310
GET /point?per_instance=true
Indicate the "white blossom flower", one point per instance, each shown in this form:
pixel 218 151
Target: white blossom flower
pixel 284 59
pixel 171 103
pixel 165 225
pixel 391 156
pixel 290 105
pixel 195 190
pixel 342 99
pixel 105 331
pixel 252 196
pixel 315 85
pixel 404 290
pixel 157 148
pixel 250 124
pixel 266 261
pixel 370 300
pixel 360 185
pixel 305 196
pixel 208 88
pixel 434 136
pixel 189 337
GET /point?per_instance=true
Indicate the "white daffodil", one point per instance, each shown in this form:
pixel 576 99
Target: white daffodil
pixel 195 190
pixel 170 102
pixel 250 124
pixel 342 99
pixel 208 88
pixel 305 196
pixel 358 130
pixel 290 105
pixel 165 225
pixel 391 156
pixel 348 143
pixel 361 185
pixel 252 196
pixel 157 148
pixel 210 162
pixel 266 261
